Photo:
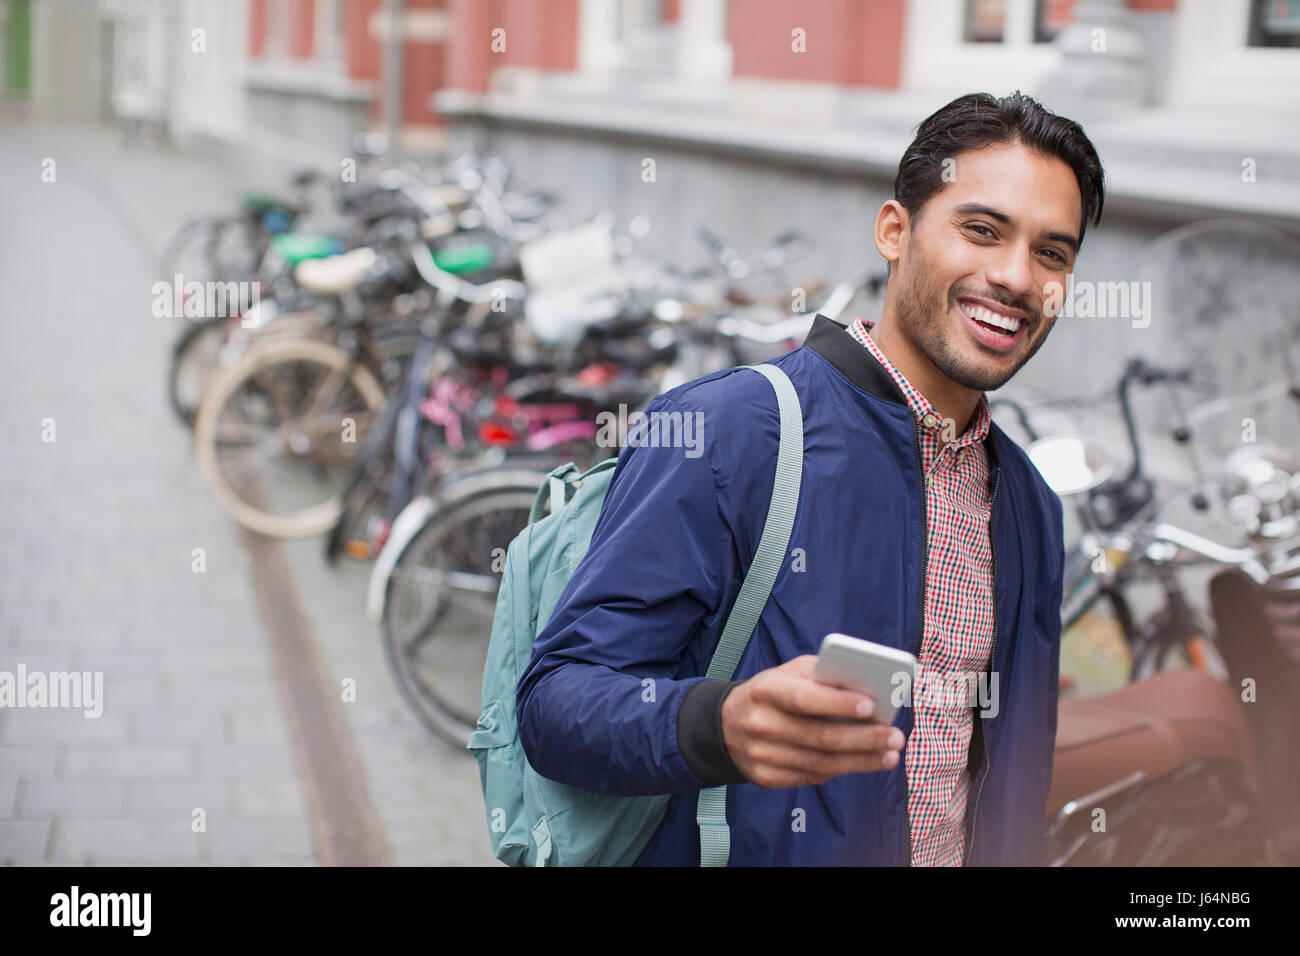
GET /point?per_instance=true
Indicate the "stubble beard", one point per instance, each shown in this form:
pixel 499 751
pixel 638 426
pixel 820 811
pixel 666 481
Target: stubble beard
pixel 923 311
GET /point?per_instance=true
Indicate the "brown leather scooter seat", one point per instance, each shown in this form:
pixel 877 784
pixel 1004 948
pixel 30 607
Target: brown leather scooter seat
pixel 1155 725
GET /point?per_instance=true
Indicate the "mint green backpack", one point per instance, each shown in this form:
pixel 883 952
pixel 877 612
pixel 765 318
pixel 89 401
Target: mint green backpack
pixel 535 821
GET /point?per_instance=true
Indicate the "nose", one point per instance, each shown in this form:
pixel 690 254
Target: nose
pixel 1012 271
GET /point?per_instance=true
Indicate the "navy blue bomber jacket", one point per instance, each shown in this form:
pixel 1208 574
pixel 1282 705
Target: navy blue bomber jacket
pixel 614 699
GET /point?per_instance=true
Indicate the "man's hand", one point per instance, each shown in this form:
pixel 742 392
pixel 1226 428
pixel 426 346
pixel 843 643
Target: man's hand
pixel 775 728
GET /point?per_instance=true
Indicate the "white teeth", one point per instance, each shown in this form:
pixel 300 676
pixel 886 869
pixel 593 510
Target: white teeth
pixel 992 318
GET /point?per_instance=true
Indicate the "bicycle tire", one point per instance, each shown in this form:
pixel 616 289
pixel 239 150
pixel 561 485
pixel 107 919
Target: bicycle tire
pixel 307 521
pixel 181 240
pixel 363 491
pixel 203 238
pixel 193 336
pixel 363 483
pixel 446 709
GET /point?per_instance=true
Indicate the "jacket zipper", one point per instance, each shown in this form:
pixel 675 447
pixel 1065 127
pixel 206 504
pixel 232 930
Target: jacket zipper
pixel 988 760
pixel 920 617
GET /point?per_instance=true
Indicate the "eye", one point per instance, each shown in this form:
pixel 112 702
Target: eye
pixel 1059 258
pixel 987 233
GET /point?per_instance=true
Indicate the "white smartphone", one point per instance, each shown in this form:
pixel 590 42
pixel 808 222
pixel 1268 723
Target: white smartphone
pixel 885 673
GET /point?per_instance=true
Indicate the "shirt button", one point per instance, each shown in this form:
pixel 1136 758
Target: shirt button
pixel 929 420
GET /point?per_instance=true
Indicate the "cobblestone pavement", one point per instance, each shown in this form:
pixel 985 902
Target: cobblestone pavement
pixel 98 531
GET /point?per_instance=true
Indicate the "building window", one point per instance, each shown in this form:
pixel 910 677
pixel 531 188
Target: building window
pixel 655 40
pixel 648 40
pixel 1274 23
pixel 277 29
pixel 1050 18
pixel 637 15
pixel 986 21
pixel 997 21
pixel 329 32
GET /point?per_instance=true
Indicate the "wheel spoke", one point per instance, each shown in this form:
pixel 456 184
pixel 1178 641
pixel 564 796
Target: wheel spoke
pixel 275 467
pixel 441 601
pixel 326 392
pixel 452 580
pixel 274 388
pixel 244 433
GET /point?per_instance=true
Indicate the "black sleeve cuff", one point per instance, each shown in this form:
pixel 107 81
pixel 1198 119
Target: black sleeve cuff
pixel 699 734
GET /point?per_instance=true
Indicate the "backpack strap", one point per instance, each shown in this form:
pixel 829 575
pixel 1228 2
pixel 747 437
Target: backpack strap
pixel 559 483
pixel 711 810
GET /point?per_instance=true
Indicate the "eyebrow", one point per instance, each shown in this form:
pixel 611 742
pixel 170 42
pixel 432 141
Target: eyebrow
pixel 976 208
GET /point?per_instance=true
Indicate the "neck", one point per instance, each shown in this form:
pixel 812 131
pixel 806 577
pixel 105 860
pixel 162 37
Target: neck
pixel 950 400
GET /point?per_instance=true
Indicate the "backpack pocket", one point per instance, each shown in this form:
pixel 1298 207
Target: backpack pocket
pixel 502 774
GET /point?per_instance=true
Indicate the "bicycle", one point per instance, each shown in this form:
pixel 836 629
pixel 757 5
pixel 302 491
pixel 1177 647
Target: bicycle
pixel 278 428
pixel 433 589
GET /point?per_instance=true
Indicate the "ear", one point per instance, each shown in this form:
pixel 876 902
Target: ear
pixel 892 228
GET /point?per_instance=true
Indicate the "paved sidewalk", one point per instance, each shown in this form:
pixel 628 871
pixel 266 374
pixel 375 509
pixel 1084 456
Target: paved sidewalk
pixel 427 792
pixel 98 531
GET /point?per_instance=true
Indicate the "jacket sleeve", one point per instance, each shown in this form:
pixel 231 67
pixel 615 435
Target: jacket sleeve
pixel 598 705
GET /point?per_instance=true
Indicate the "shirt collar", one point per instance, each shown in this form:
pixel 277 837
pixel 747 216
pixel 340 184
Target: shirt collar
pixel 978 428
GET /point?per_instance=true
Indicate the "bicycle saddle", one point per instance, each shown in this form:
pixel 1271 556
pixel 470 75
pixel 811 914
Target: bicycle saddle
pixel 1155 726
pixel 336 274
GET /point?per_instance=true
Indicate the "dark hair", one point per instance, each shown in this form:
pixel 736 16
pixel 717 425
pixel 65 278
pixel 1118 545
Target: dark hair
pixel 978 119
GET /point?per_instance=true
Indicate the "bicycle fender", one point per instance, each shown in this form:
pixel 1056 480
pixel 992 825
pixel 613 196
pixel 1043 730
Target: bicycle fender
pixel 421 510
pixel 405 526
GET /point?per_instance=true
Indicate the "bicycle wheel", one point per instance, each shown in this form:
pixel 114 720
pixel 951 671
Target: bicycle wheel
pixel 277 432
pixel 364 508
pixel 1239 337
pixel 212 248
pixel 195 358
pixel 440 602
pixel 364 498
pixel 1148 660
pixel 185 251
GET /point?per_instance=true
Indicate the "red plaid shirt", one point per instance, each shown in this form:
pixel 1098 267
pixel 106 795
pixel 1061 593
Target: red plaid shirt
pixel 958 636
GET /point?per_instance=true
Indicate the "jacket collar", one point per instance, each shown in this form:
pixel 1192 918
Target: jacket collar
pixel 833 342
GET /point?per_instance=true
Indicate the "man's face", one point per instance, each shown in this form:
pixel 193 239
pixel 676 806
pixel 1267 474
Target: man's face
pixel 986 250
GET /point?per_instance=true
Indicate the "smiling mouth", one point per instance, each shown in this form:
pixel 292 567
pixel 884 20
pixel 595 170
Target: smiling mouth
pixel 995 322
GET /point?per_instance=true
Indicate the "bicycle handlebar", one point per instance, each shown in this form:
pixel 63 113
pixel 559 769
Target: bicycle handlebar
pixel 764 333
pixel 772 258
pixel 1243 558
pixel 1139 371
pixel 1021 415
pixel 453 285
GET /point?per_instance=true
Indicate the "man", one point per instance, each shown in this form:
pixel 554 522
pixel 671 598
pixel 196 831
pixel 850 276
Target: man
pixel 920 525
